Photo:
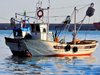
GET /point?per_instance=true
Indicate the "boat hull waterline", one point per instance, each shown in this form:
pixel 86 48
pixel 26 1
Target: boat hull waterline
pixel 16 49
pixel 48 48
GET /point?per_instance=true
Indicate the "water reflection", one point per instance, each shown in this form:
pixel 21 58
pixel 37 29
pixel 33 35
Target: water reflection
pixel 76 59
pixel 23 65
pixel 51 65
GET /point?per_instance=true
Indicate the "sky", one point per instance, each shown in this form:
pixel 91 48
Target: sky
pixel 8 8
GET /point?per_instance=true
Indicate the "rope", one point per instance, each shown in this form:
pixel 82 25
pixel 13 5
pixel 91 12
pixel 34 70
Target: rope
pixel 57 28
pixel 27 12
pixel 10 34
pixel 83 7
pixel 86 30
pixel 60 31
pixel 66 26
pixel 68 7
pixel 69 24
pixel 4 18
pixel 63 31
pixel 71 18
pixel 81 24
pixel 55 16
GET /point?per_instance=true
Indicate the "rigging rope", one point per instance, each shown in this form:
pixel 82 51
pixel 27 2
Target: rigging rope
pixel 10 33
pixel 81 24
pixel 66 26
pixel 68 7
pixel 4 18
pixel 83 7
pixel 27 12
pixel 69 24
pixel 86 30
pixel 29 17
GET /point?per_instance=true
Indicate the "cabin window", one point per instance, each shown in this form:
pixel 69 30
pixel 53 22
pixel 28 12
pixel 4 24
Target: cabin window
pixel 44 30
pixel 17 32
pixel 35 28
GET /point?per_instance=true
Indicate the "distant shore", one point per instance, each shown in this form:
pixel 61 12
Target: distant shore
pixel 7 26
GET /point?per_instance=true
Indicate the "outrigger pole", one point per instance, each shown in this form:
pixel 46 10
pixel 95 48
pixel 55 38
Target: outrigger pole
pixel 75 26
pixel 89 13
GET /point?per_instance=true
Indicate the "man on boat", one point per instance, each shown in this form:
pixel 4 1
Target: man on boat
pixel 77 40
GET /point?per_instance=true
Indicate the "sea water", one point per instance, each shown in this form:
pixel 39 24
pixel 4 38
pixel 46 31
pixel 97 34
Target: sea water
pixel 70 65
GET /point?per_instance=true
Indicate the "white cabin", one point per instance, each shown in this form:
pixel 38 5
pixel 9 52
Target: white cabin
pixel 39 31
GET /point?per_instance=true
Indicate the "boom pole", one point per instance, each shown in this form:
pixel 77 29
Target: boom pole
pixel 75 26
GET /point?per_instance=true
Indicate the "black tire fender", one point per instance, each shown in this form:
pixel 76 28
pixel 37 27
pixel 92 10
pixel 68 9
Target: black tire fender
pixel 67 48
pixel 75 49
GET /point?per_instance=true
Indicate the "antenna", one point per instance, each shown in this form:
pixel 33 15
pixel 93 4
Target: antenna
pixel 49 2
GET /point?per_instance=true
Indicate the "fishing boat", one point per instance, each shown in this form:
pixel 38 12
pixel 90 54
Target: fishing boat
pixel 36 40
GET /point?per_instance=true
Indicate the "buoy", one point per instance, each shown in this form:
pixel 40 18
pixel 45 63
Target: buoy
pixel 56 39
pixel 67 48
pixel 39 14
pixel 28 54
pixel 75 49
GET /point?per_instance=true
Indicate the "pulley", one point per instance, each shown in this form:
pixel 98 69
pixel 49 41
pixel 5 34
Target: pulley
pixel 90 10
pixel 67 21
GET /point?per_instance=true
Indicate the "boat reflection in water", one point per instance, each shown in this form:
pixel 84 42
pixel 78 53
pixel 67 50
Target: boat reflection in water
pixel 50 65
pixel 86 59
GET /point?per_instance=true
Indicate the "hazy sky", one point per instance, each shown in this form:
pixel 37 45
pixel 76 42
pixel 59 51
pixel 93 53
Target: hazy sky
pixel 8 8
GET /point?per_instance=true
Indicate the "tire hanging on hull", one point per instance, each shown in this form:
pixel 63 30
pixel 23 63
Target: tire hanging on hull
pixel 67 48
pixel 75 49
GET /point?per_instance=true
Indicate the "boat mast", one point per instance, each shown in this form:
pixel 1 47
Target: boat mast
pixel 15 17
pixel 37 5
pixel 75 26
pixel 48 20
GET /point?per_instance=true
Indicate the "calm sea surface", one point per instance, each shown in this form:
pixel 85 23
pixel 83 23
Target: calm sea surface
pixel 78 65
